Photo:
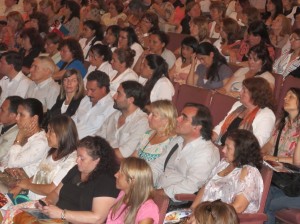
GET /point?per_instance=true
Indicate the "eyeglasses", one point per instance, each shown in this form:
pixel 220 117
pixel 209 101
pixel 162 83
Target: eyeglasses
pixel 294 38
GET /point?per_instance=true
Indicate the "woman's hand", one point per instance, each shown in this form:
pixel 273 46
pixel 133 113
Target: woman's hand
pixel 24 184
pixel 15 191
pixel 52 211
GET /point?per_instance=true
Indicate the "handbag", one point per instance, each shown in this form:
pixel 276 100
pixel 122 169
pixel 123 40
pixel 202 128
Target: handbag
pixel 289 183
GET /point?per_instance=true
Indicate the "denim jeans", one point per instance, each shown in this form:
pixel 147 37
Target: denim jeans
pixel 276 201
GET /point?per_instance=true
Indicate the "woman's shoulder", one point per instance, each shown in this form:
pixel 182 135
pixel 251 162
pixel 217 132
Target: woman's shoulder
pixel 148 210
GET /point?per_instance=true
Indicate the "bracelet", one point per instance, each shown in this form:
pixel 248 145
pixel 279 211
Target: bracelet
pixel 63 214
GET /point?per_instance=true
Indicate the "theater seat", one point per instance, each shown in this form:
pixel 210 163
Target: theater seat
pixel 289 216
pixel 162 201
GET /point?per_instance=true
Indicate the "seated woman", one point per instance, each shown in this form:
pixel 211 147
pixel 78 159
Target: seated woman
pixel 217 12
pixel 199 29
pixel 288 151
pixel 212 72
pixel 289 61
pixel 99 58
pixel 70 13
pixel 52 42
pixel 273 9
pixel 92 34
pixel 71 57
pixel 162 121
pixel 237 15
pixel 253 112
pixel 71 94
pixel 158 86
pixel 215 212
pixel 192 11
pixel 236 180
pixel 91 181
pixel 259 65
pixel 122 60
pixel 32 46
pixel 39 21
pixel 179 72
pixel 135 181
pixel 30 145
pixel 115 13
pixel 111 37
pixel 164 10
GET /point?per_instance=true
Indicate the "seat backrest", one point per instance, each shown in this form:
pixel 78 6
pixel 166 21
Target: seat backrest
pixel 278 85
pixel 175 40
pixel 162 202
pixel 220 106
pixel 192 94
pixel 175 96
pixel 266 174
pixel 289 82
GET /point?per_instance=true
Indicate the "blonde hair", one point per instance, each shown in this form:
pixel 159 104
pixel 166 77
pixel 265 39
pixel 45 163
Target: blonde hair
pixel 33 4
pixel 286 25
pixel 216 212
pixel 166 109
pixel 139 177
pixel 17 17
pixel 46 3
pixel 202 24
pixel 80 90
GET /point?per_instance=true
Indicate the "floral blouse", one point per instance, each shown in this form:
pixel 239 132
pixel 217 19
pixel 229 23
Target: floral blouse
pixel 228 187
pixel 288 138
pixel 150 152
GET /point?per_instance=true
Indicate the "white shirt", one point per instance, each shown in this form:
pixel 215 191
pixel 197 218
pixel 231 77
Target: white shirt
pixel 18 86
pixel 128 74
pixel 87 46
pixel 29 155
pixel 127 137
pixel 169 57
pixel 46 92
pixel 138 52
pixel 104 67
pixel 162 90
pixel 89 118
pixel 262 125
pixel 188 168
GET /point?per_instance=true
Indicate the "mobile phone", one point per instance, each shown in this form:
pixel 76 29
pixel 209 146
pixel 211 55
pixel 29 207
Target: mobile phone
pixel 42 203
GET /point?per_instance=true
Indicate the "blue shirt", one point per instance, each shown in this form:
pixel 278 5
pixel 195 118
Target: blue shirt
pixel 76 64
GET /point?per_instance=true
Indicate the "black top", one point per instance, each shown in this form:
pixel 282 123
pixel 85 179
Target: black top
pixel 185 24
pixel 233 126
pixel 77 196
pixel 28 59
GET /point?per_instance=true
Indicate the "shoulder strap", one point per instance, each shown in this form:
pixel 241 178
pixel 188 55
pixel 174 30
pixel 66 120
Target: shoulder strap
pixel 169 155
pixel 277 142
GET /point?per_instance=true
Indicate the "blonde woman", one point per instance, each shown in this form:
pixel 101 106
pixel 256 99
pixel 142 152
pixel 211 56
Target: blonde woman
pixel 134 203
pixel 162 121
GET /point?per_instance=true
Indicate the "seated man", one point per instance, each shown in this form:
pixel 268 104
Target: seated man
pixel 14 83
pixel 8 114
pixel 187 163
pixel 125 127
pixel 43 88
pixel 96 106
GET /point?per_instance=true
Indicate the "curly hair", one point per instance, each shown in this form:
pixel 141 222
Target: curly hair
pixel 74 47
pixel 261 52
pixel 246 148
pixel 153 19
pixel 98 147
pixel 261 92
pixel 125 56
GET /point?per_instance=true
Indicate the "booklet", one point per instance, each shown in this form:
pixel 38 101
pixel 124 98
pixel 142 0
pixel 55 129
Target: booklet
pixel 282 167
pixel 36 213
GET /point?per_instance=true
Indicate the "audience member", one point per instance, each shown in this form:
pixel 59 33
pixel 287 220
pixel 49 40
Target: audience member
pixel 212 72
pixel 189 159
pixel 125 127
pixel 280 32
pixel 39 21
pixel 135 181
pixel 164 10
pixel 240 6
pixel 253 112
pixel 43 87
pixel 273 9
pixel 47 7
pixel 217 13
pixel 70 13
pixel 199 29
pixel 236 180
pixel 114 14
pixel 96 106
pixel 111 37
pixel 289 9
pixel 192 11
pixel 30 7
pixel 8 115
pixel 14 82
pixel 52 43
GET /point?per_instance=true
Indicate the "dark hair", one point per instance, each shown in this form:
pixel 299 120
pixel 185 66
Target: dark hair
pixel 285 114
pixel 98 147
pixel 262 53
pixel 55 38
pixel 115 29
pixel 118 4
pixel 252 14
pixel 101 78
pixel 74 47
pixel 42 19
pixel 246 148
pixel 206 48
pixel 125 56
pixel 102 50
pixel 232 29
pixel 153 19
pixel 162 36
pixel 34 107
pixel 14 102
pixel 278 9
pixel 93 25
pixel 66 134
pixel 160 69
pixel 244 3
pixel 35 38
pixel 131 35
pixel 258 28
pixel 13 58
pixel 135 90
pixel 191 42
pixel 74 7
pixel 261 92
pixel 202 117
pixel 220 6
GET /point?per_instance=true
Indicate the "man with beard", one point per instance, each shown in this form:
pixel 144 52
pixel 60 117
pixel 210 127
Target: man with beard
pixel 96 106
pixel 125 127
